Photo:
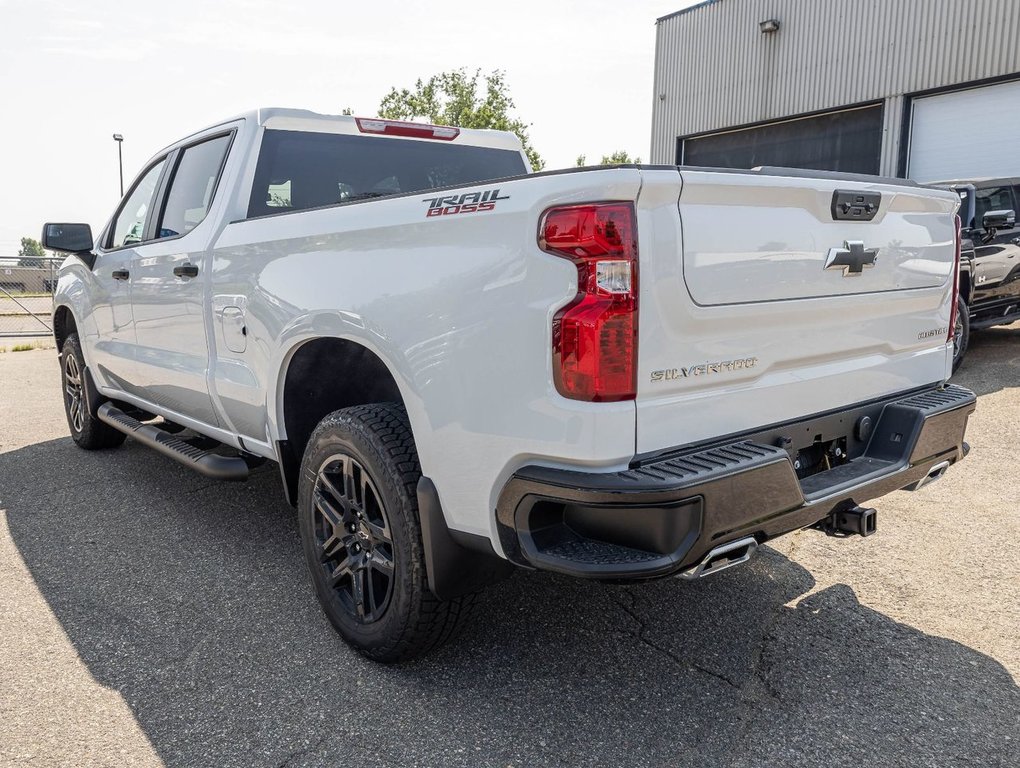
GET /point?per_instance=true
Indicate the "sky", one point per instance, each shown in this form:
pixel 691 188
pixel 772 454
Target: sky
pixel 72 74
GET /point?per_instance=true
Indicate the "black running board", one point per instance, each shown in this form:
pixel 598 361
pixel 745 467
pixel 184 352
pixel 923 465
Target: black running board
pixel 204 462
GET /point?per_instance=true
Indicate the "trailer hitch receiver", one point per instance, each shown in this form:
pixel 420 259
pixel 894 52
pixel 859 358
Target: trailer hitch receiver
pixel 846 522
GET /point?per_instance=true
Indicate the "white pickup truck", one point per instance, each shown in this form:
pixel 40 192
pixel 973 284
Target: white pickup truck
pixel 461 367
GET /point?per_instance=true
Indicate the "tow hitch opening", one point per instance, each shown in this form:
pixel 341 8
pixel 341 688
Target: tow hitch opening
pixel 862 521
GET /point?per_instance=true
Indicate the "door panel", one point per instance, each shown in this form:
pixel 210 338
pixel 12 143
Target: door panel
pixel 112 355
pixel 169 280
pixel 996 262
pixel 112 350
pixel 172 355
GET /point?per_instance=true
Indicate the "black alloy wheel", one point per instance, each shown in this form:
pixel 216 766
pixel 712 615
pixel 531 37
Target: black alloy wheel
pixel 353 535
pixel 82 401
pixel 362 539
pixel 74 393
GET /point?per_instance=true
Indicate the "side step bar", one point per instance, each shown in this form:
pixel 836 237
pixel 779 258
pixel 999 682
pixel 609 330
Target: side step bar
pixel 722 557
pixel 204 462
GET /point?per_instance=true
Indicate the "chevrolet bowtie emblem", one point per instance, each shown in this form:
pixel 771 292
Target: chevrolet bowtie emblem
pixel 852 258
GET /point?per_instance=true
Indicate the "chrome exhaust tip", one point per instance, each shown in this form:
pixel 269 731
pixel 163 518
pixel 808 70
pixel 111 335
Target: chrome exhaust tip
pixel 935 473
pixel 722 557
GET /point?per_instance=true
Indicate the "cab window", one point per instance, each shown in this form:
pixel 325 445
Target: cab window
pixel 193 186
pixel 129 226
pixel 299 170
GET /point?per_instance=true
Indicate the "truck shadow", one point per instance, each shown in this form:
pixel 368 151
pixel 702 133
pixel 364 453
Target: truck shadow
pixel 992 361
pixel 190 599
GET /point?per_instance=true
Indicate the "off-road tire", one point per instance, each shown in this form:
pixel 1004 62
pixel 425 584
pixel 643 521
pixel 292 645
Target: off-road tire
pixel 87 430
pixel 378 439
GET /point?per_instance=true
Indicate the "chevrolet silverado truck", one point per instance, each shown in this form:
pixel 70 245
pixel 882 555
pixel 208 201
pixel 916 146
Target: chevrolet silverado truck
pixel 990 258
pixel 462 368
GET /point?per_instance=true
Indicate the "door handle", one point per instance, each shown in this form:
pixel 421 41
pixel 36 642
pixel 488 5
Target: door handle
pixel 186 270
pixel 120 274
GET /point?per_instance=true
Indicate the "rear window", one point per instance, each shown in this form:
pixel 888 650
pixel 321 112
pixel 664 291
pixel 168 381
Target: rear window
pixel 298 170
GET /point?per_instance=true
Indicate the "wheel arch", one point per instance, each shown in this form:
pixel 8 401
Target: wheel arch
pixel 966 285
pixel 319 375
pixel 64 324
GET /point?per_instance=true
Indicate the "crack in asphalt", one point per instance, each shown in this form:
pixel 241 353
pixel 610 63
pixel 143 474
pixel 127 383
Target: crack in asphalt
pixel 641 637
pixel 289 759
pixel 760 669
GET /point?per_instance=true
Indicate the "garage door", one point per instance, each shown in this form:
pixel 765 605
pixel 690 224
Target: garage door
pixel 847 140
pixel 967 134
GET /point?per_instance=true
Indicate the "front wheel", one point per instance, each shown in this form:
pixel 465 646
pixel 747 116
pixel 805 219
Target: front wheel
pixel 358 508
pixel 87 430
pixel 961 332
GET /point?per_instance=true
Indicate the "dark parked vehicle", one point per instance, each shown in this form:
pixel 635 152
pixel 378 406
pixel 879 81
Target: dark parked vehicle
pixel 990 262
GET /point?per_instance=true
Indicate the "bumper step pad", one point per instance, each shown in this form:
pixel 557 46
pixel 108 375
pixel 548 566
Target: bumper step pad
pixel 670 511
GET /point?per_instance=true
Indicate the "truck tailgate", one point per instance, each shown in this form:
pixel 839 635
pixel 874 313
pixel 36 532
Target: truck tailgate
pixel 770 307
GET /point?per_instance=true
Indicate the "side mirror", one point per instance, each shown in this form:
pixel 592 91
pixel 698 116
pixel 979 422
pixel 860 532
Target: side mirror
pixel 67 238
pixel 999 220
pixel 75 239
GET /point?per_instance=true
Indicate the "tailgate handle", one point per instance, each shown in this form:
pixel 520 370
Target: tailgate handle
pixel 855 205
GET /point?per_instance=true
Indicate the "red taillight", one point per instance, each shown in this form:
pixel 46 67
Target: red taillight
pixel 956 282
pixel 595 335
pixel 412 130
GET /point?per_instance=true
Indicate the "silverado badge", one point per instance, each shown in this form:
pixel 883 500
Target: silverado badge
pixel 705 369
pixel 852 258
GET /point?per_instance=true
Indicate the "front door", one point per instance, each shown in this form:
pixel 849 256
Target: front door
pixel 996 261
pixel 169 279
pixel 111 346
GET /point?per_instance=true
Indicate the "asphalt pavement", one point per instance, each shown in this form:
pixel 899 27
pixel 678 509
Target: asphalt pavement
pixel 149 616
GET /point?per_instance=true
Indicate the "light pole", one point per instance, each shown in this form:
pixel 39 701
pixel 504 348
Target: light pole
pixel 120 160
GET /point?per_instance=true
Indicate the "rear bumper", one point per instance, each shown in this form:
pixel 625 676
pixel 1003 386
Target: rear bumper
pixel 666 512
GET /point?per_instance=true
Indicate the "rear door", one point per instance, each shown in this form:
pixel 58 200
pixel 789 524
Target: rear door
pixel 169 279
pixel 773 306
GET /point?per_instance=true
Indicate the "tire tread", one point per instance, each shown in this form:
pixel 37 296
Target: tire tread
pixel 94 435
pixel 433 622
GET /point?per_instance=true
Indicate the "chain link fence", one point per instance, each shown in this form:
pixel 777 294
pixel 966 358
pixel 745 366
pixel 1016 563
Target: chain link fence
pixel 26 297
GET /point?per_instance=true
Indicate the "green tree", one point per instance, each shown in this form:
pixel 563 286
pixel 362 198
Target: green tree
pixel 453 98
pixel 31 253
pixel 619 157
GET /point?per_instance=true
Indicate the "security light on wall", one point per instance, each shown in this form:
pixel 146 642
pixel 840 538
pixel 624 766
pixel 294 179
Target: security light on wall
pixel 769 26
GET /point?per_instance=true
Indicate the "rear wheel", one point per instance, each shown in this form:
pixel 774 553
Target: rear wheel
pixel 87 431
pixel 358 508
pixel 961 332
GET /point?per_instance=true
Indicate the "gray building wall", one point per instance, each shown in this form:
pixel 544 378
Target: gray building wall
pixel 714 69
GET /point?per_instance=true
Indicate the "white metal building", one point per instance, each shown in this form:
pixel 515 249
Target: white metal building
pixel 928 89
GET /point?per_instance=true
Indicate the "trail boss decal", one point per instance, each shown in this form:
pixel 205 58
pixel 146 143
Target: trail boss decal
pixel 705 369
pixel 469 202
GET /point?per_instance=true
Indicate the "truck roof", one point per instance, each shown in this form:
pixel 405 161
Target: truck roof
pixel 1003 181
pixel 287 119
